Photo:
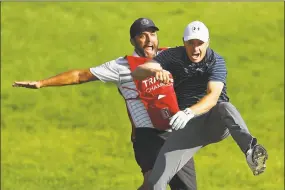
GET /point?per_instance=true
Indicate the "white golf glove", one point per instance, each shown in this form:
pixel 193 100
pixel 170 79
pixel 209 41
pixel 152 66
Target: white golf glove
pixel 181 118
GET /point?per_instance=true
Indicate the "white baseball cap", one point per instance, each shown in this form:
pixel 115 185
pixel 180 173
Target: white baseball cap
pixel 196 30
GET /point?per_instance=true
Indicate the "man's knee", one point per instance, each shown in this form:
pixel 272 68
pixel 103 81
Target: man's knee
pixel 225 105
pixel 227 108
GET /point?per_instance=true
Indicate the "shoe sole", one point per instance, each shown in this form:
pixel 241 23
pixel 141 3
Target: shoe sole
pixel 260 156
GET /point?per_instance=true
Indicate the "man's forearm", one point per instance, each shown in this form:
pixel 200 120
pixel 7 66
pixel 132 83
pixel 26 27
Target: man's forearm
pixel 204 105
pixel 142 73
pixel 146 70
pixel 68 78
pixel 214 90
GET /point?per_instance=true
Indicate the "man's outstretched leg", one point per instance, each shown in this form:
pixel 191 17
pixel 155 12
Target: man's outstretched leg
pixel 256 154
pixel 209 128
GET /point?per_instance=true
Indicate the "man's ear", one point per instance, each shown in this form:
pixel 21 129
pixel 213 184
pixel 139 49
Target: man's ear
pixel 183 42
pixel 132 41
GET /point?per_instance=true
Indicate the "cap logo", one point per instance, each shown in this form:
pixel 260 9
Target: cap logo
pixel 195 29
pixel 144 22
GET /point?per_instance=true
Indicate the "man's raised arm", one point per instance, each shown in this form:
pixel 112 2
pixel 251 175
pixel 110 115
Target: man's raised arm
pixel 62 79
pixel 151 68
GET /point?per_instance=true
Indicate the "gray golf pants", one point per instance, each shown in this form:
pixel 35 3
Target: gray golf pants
pixel 221 121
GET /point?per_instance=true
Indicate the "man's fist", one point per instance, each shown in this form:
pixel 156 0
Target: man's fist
pixel 163 76
pixel 27 84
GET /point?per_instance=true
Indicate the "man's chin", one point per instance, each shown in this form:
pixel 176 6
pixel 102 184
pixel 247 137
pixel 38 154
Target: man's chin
pixel 196 60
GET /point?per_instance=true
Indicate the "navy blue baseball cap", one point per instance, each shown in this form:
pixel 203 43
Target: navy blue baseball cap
pixel 140 25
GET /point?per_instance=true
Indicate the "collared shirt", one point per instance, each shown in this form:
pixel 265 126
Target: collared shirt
pixel 191 79
pixel 118 72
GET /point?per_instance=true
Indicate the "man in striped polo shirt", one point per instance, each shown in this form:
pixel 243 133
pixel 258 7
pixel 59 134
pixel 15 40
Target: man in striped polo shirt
pixel 148 140
pixel 206 114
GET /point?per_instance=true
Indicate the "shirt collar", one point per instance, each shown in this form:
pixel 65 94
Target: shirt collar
pixel 135 54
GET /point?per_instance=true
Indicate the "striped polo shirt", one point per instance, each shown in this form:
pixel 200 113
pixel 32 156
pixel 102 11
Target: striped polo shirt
pixel 191 79
pixel 118 71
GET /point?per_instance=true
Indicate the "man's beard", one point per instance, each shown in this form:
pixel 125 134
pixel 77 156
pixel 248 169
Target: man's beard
pixel 140 51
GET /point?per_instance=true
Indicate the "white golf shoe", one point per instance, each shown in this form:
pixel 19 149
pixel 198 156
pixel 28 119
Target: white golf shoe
pixel 256 158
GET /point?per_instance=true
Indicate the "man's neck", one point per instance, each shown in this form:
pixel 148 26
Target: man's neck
pixel 135 54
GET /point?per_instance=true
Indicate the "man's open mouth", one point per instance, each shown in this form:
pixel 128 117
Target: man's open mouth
pixel 195 55
pixel 148 47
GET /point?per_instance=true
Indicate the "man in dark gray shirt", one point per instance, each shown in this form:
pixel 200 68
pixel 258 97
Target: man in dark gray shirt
pixel 206 114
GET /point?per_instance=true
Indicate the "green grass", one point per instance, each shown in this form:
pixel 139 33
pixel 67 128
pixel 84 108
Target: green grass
pixel 78 137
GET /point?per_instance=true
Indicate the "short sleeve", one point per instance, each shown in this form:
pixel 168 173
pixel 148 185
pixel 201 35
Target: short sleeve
pixel 107 72
pixel 218 71
pixel 164 58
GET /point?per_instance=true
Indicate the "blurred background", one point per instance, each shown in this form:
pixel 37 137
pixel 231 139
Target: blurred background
pixel 78 137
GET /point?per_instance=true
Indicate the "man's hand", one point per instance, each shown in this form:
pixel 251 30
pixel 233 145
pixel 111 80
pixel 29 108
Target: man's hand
pixel 28 84
pixel 181 118
pixel 163 76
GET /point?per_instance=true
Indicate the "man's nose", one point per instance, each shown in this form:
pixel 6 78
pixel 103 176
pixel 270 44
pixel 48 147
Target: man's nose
pixel 147 38
pixel 196 48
